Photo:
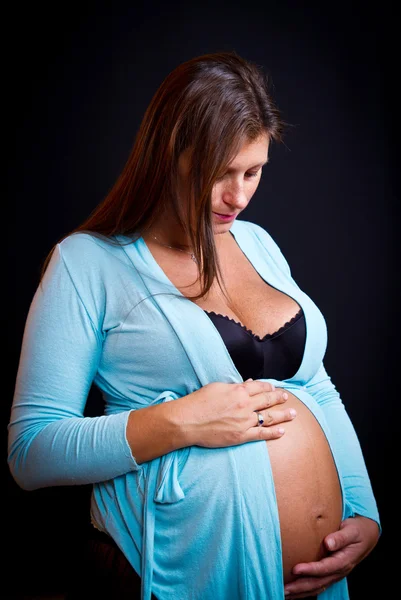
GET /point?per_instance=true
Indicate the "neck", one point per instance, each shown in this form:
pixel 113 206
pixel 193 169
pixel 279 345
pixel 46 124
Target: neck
pixel 169 232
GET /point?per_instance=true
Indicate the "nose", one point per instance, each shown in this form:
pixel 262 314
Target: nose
pixel 234 195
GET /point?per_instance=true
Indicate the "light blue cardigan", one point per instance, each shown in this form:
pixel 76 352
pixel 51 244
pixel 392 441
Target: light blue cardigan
pixel 198 523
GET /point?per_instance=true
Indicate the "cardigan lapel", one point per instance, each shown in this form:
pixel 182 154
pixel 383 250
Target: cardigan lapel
pixel 202 343
pixel 266 260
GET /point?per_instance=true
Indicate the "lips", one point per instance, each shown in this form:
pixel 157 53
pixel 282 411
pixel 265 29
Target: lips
pixel 224 218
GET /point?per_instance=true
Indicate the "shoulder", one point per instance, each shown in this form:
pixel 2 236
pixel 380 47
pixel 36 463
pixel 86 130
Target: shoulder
pixel 84 244
pixel 95 266
pixel 83 251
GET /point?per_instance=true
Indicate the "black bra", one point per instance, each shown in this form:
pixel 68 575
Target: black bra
pixel 277 355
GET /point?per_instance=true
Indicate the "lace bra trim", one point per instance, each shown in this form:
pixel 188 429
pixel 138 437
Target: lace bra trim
pixel 268 335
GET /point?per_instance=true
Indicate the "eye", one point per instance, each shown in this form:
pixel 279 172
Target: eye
pixel 249 175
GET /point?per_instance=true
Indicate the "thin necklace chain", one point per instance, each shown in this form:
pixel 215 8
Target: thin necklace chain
pixel 192 255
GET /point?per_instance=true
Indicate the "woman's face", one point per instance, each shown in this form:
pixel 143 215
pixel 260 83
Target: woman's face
pixel 235 188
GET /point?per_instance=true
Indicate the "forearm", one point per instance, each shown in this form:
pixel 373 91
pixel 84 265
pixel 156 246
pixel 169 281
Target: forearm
pixel 84 450
pixel 157 430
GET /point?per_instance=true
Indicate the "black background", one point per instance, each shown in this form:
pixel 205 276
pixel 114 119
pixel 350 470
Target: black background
pixel 77 82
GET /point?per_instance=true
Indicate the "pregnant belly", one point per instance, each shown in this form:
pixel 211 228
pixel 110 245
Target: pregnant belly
pixel 307 488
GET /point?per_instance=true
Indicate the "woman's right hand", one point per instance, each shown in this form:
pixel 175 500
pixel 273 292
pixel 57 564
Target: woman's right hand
pixel 225 414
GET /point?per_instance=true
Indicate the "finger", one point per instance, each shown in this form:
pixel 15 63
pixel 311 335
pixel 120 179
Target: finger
pixel 304 588
pixel 265 399
pixel 341 538
pixel 273 387
pixel 255 434
pixel 273 417
pixel 327 566
pixel 257 386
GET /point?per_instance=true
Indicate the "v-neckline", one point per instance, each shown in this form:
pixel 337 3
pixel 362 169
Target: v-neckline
pixel 236 232
pixel 236 237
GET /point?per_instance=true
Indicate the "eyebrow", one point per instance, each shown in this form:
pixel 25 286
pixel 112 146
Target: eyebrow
pixel 232 170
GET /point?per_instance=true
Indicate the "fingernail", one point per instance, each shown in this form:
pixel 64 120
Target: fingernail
pixel 280 430
pixel 331 544
pixel 285 396
pixel 293 412
pixel 250 379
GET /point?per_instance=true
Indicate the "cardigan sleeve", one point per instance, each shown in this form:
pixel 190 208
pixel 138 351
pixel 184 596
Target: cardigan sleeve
pixel 343 440
pixel 50 441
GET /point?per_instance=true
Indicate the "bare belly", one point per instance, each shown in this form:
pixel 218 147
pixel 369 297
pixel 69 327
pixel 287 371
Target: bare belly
pixel 307 488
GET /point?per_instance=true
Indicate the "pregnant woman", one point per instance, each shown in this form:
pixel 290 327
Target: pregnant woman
pixel 224 465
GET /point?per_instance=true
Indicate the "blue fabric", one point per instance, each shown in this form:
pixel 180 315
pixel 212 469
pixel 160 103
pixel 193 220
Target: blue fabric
pixel 198 523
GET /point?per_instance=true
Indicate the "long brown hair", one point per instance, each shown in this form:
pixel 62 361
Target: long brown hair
pixel 210 105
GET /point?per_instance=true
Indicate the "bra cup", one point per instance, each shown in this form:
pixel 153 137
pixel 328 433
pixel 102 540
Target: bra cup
pixel 277 355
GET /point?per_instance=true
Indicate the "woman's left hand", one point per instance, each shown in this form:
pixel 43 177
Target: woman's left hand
pixel 355 539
